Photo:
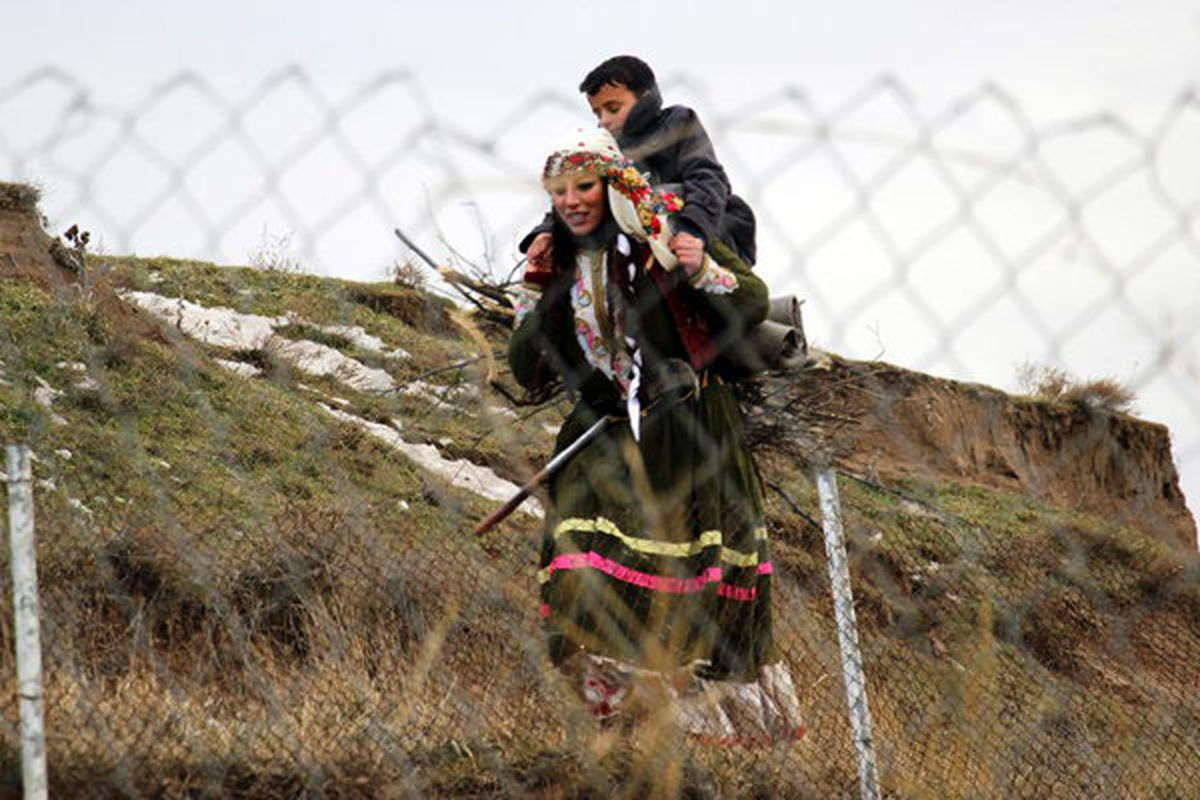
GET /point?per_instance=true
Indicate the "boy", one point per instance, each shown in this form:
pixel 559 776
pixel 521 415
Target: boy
pixel 671 147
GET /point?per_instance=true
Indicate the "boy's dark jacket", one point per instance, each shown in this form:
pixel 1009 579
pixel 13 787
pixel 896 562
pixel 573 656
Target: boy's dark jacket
pixel 671 146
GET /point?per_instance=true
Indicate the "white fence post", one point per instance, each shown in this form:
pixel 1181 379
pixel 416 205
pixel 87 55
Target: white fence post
pixel 27 620
pixel 843 606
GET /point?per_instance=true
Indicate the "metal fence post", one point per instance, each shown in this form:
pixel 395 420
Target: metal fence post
pixel 843 605
pixel 26 621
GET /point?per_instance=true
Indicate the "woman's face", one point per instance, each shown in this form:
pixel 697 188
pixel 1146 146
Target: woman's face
pixel 579 200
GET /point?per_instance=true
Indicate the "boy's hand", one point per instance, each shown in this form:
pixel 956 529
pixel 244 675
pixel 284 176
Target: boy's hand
pixel 538 259
pixel 688 249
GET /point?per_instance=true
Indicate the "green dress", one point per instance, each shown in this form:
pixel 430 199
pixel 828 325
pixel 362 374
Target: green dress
pixel 655 552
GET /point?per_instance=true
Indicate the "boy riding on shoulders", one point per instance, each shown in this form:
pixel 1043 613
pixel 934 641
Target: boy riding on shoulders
pixel 672 148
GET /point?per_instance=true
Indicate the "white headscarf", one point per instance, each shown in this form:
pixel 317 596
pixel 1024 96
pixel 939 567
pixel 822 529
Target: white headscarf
pixel 639 210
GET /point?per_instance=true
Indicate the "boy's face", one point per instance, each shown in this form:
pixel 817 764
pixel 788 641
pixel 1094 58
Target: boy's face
pixel 611 104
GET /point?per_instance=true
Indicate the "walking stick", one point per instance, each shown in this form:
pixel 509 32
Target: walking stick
pixel 543 474
pixel 413 246
pixel 552 466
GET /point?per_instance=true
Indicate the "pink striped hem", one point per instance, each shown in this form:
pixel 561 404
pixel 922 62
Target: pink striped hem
pixel 657 583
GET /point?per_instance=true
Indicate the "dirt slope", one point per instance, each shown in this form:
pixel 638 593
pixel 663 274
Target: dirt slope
pixel 910 425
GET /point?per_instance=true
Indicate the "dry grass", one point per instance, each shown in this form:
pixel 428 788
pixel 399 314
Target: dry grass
pixel 408 275
pixel 288 609
pixel 18 197
pixel 1056 385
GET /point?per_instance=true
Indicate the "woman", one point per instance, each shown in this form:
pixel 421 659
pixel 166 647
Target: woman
pixel 655 567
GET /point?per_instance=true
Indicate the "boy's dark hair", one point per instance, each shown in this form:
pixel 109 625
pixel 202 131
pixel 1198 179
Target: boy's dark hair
pixel 629 71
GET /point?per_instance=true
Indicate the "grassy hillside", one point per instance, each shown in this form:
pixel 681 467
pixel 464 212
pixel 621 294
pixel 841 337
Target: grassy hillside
pixel 246 595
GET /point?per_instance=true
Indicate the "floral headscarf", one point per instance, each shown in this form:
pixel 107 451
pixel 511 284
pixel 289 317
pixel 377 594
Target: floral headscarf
pixel 639 210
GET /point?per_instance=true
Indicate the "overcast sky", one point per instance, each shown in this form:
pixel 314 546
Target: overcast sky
pixel 1068 56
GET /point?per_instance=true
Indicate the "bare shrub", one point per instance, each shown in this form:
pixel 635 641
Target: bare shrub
pixel 1105 393
pixel 408 275
pixel 18 197
pixel 274 253
pixel 1038 380
pixel 1054 384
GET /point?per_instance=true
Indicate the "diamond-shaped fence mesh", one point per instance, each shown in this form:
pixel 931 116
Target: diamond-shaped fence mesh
pixel 246 594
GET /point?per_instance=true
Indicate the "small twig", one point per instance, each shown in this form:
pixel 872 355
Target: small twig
pixel 476 285
pixel 796 509
pixel 521 418
pixel 903 495
pixel 511 278
pixel 538 399
pixel 439 370
pixel 543 406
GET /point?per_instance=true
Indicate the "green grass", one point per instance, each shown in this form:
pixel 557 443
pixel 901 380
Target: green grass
pixel 260 600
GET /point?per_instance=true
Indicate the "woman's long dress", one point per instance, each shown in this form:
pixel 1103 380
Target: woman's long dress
pixel 655 559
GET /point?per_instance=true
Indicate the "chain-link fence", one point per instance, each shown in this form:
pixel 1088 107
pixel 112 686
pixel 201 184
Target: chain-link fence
pixel 257 576
pixel 965 242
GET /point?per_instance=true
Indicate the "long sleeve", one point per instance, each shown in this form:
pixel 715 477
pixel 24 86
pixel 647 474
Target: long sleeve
pixel 677 150
pixel 539 351
pixel 732 313
pixel 525 347
pixel 705 184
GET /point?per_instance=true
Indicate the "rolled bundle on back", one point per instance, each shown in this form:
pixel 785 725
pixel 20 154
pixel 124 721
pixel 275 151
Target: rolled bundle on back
pixel 776 343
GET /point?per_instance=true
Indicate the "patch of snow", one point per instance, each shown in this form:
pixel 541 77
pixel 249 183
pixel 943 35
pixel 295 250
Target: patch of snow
pixel 501 411
pixel 320 359
pixel 64 454
pixel 358 336
pixel 437 394
pixel 84 381
pixel 458 472
pixel 44 395
pixel 216 325
pixel 239 367
pixel 79 506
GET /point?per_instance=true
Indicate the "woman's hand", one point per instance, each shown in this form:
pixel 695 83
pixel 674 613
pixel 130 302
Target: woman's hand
pixel 688 249
pixel 538 259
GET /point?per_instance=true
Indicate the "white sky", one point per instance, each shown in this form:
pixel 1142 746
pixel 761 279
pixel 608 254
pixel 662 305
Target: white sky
pixel 478 61
pixel 1068 56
